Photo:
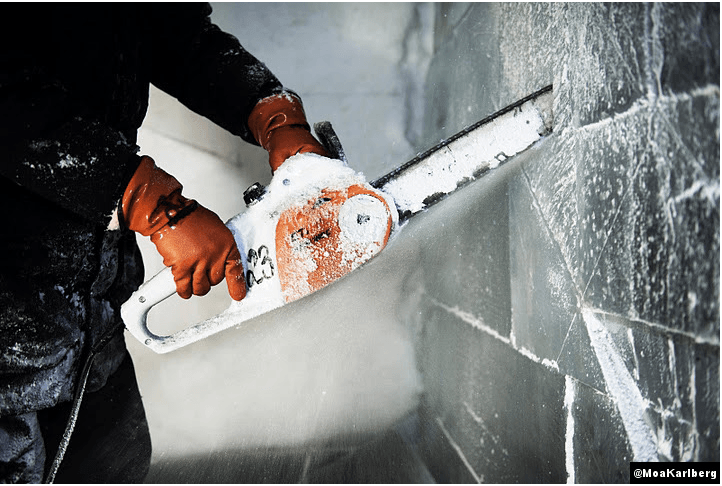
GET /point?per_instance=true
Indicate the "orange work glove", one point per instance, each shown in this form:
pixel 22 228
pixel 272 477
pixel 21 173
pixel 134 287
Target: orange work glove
pixel 278 123
pixel 192 240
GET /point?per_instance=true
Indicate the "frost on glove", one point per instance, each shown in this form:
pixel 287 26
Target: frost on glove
pixel 279 125
pixel 192 240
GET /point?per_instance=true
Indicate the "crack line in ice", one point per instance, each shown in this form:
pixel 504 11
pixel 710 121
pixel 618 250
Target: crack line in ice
pixel 646 104
pixel 458 450
pixel 630 403
pixel 615 42
pixel 482 424
pixel 673 372
pixel 701 91
pixel 660 327
pixel 639 105
pixel 630 337
pixel 653 52
pixel 693 400
pixel 683 146
pixel 554 240
pixel 479 324
pixel 551 234
pixel 610 229
pixel 471 319
pixel 551 364
pixel 566 336
pixel 708 189
pixel 569 442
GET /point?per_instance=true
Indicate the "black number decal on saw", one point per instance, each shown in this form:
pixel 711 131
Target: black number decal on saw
pixel 261 264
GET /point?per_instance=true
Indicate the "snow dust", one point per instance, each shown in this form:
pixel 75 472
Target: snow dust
pixel 626 395
pixel 336 365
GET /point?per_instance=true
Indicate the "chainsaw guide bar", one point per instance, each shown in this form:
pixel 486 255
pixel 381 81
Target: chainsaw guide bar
pixel 469 154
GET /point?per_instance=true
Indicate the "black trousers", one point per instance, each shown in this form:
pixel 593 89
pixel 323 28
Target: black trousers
pixel 110 442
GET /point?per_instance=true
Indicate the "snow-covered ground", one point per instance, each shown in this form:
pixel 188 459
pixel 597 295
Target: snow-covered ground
pixel 338 361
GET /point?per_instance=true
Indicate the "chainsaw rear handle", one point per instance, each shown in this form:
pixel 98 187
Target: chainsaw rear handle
pixel 135 311
pixel 135 316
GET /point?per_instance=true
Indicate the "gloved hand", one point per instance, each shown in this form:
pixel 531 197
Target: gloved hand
pixel 192 240
pixel 279 124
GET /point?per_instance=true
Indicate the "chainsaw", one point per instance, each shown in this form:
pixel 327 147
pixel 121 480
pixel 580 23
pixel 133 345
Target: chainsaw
pixel 318 219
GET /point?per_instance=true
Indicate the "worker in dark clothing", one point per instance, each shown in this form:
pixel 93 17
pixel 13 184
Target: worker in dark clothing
pixel 74 83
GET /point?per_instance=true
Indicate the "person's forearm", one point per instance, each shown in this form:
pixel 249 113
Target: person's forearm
pixel 206 69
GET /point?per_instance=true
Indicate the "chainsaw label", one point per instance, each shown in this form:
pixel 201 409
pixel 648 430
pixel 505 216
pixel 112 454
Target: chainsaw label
pixel 260 266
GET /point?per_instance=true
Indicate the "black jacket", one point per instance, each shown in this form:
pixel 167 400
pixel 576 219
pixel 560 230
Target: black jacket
pixel 74 81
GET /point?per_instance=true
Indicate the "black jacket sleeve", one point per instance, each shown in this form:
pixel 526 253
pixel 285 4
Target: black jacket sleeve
pixel 81 165
pixel 68 115
pixel 74 81
pixel 64 167
pixel 205 68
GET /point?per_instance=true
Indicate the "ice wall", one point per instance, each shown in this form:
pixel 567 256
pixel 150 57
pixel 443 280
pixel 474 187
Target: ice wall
pixel 570 318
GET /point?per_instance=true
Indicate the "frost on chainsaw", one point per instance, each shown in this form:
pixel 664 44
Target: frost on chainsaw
pixel 465 158
pixel 363 221
pixel 329 236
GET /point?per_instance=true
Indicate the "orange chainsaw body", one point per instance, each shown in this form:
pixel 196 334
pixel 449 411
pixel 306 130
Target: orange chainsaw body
pixel 328 237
